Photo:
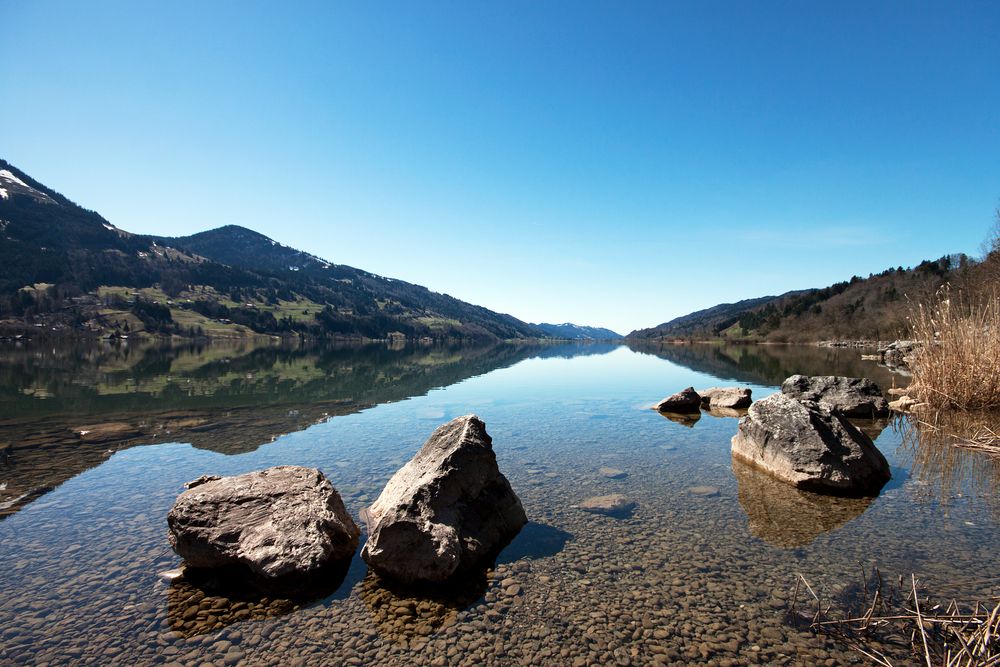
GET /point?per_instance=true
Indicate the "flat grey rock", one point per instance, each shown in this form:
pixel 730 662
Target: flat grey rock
pixel 846 396
pixel 732 398
pixel 614 504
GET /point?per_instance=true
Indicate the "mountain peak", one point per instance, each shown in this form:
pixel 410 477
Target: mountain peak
pixel 12 185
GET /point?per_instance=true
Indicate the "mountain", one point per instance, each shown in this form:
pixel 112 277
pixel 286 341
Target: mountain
pixel 714 319
pixel 67 268
pixel 569 331
pixel 873 308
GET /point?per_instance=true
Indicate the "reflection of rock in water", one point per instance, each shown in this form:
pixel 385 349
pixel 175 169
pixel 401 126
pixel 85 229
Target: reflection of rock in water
pixel 404 613
pixel 785 516
pixel 204 601
pixel 727 412
pixel 688 420
pixel 871 427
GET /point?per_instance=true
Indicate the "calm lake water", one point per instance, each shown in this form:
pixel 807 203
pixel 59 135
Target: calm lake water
pixel 97 442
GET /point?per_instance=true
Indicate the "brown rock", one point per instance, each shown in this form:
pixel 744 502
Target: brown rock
pixel 446 512
pixel 726 397
pixel 683 402
pixel 286 521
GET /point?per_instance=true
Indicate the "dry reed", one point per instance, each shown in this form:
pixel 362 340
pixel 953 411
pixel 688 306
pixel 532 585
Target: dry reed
pixel 893 622
pixel 958 363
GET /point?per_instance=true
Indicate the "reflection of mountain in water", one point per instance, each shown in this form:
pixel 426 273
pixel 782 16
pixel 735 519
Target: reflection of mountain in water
pixel 769 364
pixel 784 516
pixel 65 409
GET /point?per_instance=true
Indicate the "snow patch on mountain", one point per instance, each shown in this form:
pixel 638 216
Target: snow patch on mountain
pixel 11 178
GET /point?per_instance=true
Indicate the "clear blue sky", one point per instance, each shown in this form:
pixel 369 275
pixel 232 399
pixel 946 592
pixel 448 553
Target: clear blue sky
pixel 614 164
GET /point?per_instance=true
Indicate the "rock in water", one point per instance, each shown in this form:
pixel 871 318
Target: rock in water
pixel 726 397
pixel 615 505
pixel 849 397
pixel 810 447
pixel 281 523
pixel 899 354
pixel 445 513
pixel 683 402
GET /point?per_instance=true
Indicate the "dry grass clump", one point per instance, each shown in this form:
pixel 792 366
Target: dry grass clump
pixel 958 365
pixel 894 622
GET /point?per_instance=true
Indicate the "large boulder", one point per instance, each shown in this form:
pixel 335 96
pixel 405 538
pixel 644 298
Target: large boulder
pixel 446 512
pixel 280 523
pixel 809 446
pixel 849 397
pixel 684 401
pixel 726 397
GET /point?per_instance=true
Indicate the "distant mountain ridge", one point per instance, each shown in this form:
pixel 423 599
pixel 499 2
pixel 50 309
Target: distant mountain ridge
pixel 872 308
pixel 64 267
pixel 714 318
pixel 568 331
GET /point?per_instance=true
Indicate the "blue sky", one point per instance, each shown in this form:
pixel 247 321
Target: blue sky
pixel 615 164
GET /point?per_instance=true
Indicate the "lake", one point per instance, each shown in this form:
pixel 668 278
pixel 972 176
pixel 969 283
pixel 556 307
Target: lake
pixel 96 442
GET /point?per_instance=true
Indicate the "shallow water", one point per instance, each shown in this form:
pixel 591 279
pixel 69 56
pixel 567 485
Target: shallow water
pixel 693 576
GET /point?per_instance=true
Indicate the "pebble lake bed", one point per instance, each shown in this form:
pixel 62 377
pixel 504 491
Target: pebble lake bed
pixel 700 570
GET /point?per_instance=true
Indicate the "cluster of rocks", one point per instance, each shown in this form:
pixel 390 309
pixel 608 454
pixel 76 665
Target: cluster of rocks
pixel 444 514
pixel 809 445
pixel 802 435
pixel 689 401
pixel 898 354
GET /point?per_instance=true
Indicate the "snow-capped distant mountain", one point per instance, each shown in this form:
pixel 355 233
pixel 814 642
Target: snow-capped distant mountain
pixel 569 331
pixel 11 185
pixel 67 267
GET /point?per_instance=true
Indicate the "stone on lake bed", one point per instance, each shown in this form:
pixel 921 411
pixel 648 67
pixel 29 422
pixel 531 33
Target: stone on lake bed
pixel 726 397
pixel 107 432
pixel 614 504
pixel 170 576
pixel 612 473
pixel 683 402
pixel 280 523
pixel 809 446
pixel 445 513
